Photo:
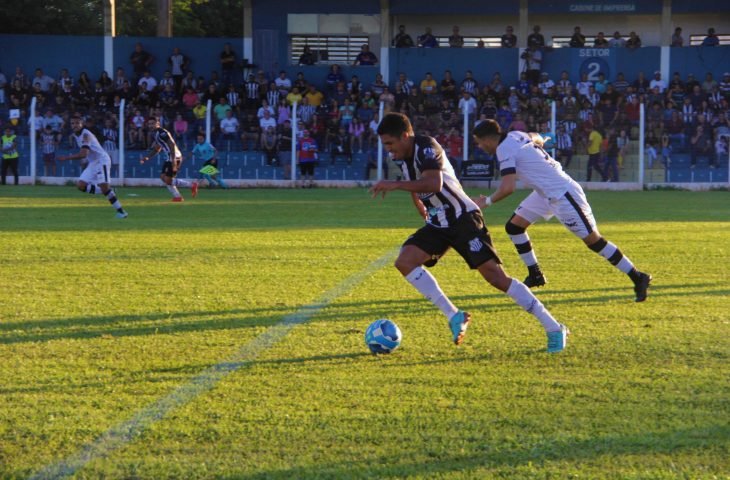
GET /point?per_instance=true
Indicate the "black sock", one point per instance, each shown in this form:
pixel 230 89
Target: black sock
pixel 635 275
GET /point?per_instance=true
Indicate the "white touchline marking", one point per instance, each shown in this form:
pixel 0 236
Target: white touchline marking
pixel 125 432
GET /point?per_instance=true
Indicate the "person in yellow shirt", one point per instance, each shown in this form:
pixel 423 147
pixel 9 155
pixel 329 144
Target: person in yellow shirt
pixel 10 154
pixel 199 112
pixel 314 96
pixel 595 139
pixel 428 85
pixel 294 96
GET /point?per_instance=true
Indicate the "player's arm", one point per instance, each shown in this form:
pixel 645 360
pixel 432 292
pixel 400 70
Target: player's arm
pixel 83 153
pixel 153 152
pixel 419 206
pixel 506 188
pixel 430 181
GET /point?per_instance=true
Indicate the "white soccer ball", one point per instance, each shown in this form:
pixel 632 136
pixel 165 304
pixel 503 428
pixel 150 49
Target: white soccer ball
pixel 383 336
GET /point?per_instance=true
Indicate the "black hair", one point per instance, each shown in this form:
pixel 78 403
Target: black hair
pixel 395 124
pixel 487 128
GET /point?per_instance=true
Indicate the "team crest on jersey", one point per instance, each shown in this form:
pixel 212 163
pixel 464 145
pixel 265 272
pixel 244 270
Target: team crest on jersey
pixel 475 245
pixel 428 152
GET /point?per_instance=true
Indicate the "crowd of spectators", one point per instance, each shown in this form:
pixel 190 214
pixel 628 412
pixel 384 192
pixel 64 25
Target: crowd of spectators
pixel 340 114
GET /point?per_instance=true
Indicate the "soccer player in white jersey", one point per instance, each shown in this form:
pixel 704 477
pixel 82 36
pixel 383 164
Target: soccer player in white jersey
pixel 95 177
pixel 452 220
pixel 521 156
pixel 164 145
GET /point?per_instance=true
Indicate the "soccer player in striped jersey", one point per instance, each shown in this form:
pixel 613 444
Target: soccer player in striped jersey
pixel 95 177
pixel 521 156
pixel 163 144
pixel 452 220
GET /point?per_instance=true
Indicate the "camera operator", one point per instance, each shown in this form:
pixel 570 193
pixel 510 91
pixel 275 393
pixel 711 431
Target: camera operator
pixel 533 61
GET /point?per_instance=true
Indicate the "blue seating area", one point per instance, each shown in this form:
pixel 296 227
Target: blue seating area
pixel 235 165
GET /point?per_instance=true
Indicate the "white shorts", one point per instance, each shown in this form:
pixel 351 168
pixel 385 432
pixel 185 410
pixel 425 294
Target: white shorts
pixel 96 173
pixel 572 210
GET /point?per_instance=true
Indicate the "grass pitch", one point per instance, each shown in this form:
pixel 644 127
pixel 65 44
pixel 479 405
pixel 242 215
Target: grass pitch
pixel 253 304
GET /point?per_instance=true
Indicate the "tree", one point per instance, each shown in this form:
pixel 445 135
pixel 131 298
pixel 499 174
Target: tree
pixel 135 18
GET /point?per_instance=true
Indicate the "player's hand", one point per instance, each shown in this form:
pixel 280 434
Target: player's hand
pixel 481 201
pixel 382 187
pixel 143 159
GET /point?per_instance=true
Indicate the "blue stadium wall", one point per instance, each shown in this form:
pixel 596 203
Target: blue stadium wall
pixel 86 53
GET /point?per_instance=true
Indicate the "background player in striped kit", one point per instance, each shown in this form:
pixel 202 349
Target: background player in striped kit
pixel 521 156
pixel 452 220
pixel 96 174
pixel 163 144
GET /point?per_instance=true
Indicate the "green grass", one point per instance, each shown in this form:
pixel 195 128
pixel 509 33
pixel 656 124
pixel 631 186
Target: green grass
pixel 101 318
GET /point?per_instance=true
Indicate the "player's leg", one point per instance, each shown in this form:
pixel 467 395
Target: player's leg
pixel 474 244
pixel 522 296
pixel 418 249
pixel 575 213
pixel 532 209
pixel 221 182
pixel 168 176
pixel 88 180
pixel 109 192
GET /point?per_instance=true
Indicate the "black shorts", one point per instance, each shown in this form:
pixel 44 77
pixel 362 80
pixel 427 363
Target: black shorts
pixel 167 169
pixel 306 168
pixel 469 237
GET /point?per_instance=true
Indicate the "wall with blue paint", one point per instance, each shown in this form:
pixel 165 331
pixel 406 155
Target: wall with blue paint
pixel 700 60
pixel 78 54
pixel 608 61
pixel 52 53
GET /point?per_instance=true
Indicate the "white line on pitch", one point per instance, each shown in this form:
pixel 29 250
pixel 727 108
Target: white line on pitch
pixel 123 433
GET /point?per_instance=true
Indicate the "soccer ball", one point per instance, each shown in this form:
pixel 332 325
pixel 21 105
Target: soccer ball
pixel 383 336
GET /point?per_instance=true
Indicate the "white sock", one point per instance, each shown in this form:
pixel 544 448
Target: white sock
pixel 112 197
pixel 525 299
pixel 180 183
pixel 429 288
pixel 611 253
pixel 173 189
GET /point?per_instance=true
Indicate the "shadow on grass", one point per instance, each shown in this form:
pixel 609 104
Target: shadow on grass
pixel 500 457
pixel 199 321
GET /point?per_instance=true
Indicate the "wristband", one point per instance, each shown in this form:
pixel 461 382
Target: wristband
pixel 487 201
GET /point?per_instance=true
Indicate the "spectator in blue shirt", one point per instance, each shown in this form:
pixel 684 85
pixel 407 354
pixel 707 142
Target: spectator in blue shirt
pixel 365 57
pixel 427 40
pixel 711 39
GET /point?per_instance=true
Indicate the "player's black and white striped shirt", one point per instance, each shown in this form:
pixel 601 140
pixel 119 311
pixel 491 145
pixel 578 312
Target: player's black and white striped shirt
pixel 164 139
pixel 446 206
